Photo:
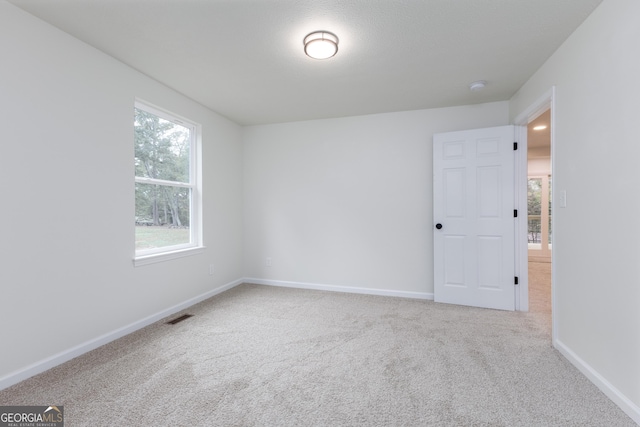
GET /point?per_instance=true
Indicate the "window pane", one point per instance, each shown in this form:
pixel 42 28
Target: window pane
pixel 162 216
pixel 550 217
pixel 161 148
pixel 534 209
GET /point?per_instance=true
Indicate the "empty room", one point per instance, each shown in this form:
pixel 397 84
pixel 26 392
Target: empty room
pixel 280 212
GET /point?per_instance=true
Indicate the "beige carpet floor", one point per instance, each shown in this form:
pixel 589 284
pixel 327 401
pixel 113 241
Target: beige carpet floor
pixel 265 356
pixel 540 289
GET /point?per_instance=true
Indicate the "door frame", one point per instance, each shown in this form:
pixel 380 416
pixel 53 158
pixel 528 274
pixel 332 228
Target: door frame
pixel 546 101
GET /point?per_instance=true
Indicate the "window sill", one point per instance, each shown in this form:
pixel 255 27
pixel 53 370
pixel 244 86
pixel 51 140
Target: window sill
pixel 166 256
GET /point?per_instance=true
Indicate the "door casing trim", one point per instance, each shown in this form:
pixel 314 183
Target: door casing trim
pixel 544 102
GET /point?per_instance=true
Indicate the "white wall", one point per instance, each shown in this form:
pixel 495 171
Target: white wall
pixel 67 237
pixel 597 153
pixel 348 202
pixel 538 167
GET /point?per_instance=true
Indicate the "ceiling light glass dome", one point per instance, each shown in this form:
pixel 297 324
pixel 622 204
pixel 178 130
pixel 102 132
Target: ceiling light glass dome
pixel 321 45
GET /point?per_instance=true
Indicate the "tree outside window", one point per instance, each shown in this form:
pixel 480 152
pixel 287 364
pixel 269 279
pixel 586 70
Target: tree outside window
pixel 164 181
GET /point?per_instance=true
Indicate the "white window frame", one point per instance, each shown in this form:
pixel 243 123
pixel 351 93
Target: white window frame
pixel 195 246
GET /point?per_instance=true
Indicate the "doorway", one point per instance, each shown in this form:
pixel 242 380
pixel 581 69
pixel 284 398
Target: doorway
pixel 539 212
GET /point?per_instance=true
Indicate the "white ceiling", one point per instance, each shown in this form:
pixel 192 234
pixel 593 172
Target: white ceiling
pixel 244 58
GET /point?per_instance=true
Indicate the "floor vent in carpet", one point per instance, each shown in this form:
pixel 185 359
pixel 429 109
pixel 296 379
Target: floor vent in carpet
pixel 179 319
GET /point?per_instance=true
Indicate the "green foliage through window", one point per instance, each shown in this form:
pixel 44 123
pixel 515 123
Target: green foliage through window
pixel 163 184
pixel 534 209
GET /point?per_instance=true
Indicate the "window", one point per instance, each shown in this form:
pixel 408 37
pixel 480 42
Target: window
pixel 166 188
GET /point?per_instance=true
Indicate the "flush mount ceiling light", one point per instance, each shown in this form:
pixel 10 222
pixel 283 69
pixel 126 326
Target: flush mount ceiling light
pixel 476 86
pixel 321 45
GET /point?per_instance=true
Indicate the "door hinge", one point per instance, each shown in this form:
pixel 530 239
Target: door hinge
pixel 515 213
pixel 515 280
pixel 515 146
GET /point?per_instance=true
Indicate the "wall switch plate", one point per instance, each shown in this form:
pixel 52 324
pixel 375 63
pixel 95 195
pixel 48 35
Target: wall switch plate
pixel 212 269
pixel 267 262
pixel 563 199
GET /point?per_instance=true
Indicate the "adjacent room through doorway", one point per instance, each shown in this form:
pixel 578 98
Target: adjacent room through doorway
pixel 539 212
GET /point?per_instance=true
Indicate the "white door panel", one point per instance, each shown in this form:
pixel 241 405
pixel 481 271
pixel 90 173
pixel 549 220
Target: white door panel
pixel 473 202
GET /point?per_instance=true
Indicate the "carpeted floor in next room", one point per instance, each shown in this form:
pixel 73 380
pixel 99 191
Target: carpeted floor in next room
pixel 266 356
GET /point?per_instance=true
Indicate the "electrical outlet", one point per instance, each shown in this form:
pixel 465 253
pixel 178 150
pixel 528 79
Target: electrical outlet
pixel 212 269
pixel 267 262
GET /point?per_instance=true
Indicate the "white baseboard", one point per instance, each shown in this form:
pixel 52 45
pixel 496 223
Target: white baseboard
pixel 629 408
pixel 85 347
pixel 335 288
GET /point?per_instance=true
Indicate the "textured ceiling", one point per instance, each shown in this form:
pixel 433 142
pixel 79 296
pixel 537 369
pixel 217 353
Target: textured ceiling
pixel 244 58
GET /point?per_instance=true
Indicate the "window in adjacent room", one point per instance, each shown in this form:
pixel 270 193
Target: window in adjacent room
pixel 166 187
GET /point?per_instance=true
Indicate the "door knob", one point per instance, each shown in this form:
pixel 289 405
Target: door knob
pixel 438 226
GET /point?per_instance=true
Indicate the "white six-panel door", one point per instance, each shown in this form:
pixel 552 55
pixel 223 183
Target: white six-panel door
pixel 473 211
